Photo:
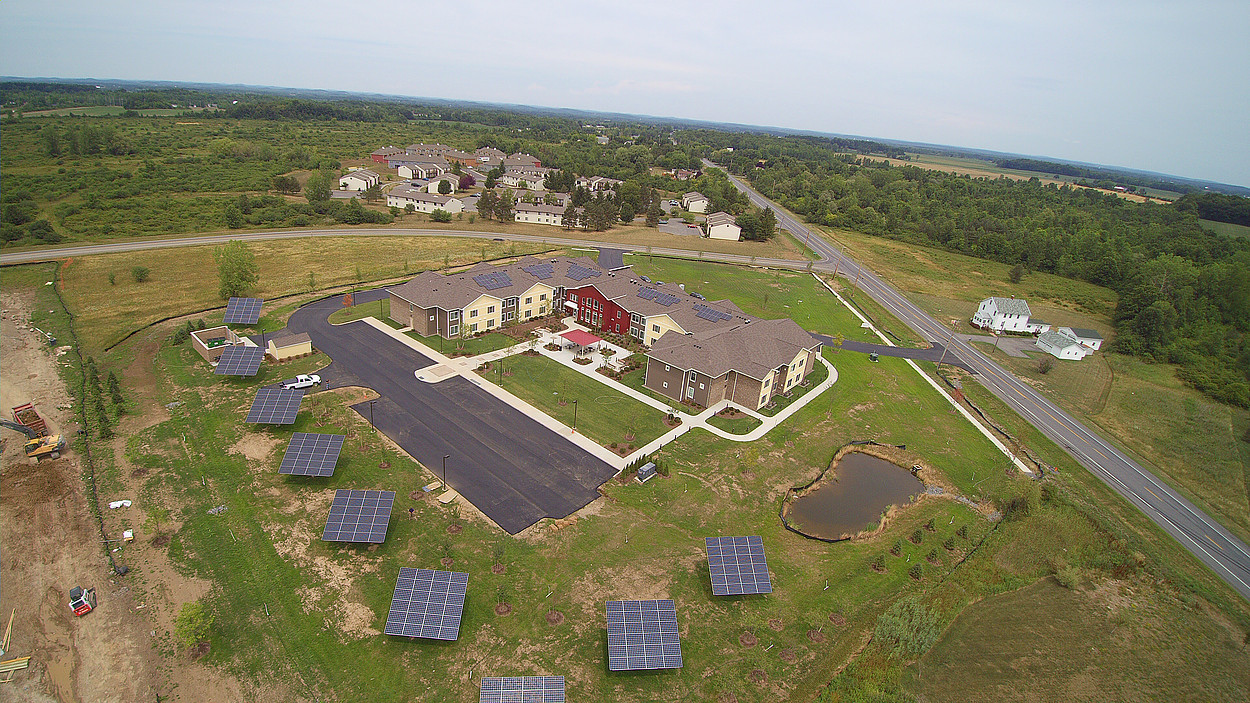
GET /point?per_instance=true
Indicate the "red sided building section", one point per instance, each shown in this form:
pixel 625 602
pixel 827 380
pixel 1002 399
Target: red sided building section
pixel 597 312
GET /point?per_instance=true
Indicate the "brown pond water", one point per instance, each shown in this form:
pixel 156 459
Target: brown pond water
pixel 852 496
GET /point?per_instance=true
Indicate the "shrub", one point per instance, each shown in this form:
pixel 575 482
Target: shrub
pixel 879 562
pixel 1068 577
pixel 440 215
pixel 1045 365
pixel 908 627
pixel 962 531
pixel 916 572
pixel 896 548
pixel 917 537
pixel 140 273
pixel 192 624
pixel 949 544
pixel 930 525
pixel 932 556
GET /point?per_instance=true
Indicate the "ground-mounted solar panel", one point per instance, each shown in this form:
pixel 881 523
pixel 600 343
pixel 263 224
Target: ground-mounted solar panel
pixel 427 604
pixel 359 516
pixel 243 311
pixel 493 280
pixel 540 271
pixel 275 406
pixel 311 454
pixel 239 360
pixel 642 634
pixel 578 272
pixel 522 689
pixel 737 566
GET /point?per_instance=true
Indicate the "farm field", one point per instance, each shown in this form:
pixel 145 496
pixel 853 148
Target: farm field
pixel 298 618
pixel 1227 229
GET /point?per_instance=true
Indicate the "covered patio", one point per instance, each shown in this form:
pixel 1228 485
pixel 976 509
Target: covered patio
pixel 580 341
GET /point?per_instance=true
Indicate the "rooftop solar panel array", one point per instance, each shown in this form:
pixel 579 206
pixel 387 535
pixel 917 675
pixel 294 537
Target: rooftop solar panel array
pixel 737 566
pixel 427 604
pixel 243 311
pixel 710 313
pixel 493 280
pixel 239 360
pixel 542 271
pixel 311 454
pixel 275 406
pixel 581 273
pixel 642 634
pixel 359 516
pixel 522 689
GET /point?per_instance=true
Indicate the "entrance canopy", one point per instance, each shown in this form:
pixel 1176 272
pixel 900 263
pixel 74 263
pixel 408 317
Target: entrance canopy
pixel 580 338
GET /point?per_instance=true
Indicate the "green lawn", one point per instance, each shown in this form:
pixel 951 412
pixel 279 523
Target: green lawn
pixel 734 425
pixel 1227 229
pixel 466 346
pixel 603 414
pixel 380 310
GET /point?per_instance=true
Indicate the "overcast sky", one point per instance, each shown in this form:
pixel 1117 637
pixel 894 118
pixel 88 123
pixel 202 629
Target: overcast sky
pixel 1163 86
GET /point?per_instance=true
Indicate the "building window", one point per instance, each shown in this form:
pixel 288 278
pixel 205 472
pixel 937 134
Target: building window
pixel 666 384
pixel 529 300
pixel 473 313
pixel 700 386
pixel 490 324
pixel 542 310
pixel 490 310
pixel 454 315
pixel 573 297
pixel 508 316
pixel 542 296
pixel 472 328
pixel 655 328
pixel 453 331
pixel 431 318
pixel 666 368
pixel 689 392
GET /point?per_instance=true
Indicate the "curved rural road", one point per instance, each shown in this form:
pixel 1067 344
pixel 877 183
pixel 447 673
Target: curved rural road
pixel 1215 546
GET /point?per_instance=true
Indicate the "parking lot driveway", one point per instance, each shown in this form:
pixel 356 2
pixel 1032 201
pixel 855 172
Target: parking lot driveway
pixel 680 226
pixel 510 467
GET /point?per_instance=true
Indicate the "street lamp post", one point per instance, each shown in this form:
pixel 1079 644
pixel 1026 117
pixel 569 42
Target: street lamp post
pixel 445 458
pixel 574 415
pixel 371 425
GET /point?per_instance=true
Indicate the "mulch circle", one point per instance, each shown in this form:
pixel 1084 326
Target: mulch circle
pixel 788 656
pixel 160 540
pixel 748 640
pixel 816 636
pixel 198 651
pixel 498 569
pixel 837 619
pixel 554 617
pixel 726 698
pixel 138 472
pixel 446 562
pixel 758 676
pixel 384 464
pixel 455 528
pixel 776 625
pixel 502 609
pixel 748 475
pixel 417 495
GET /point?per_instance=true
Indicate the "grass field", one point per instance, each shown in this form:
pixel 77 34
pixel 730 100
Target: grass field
pixel 183 280
pixel 602 414
pixel 1226 228
pixel 734 425
pixel 380 310
pixel 113 110
pixel 1094 643
pixel 466 346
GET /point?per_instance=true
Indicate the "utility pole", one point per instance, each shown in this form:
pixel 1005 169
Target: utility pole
pixel 445 458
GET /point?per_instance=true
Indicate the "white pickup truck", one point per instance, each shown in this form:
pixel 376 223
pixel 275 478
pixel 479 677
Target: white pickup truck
pixel 304 380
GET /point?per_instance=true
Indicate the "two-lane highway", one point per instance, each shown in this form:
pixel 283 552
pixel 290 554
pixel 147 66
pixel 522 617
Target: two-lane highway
pixel 1214 545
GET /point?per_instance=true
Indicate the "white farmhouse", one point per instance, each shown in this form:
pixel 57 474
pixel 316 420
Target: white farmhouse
pixel 421 201
pixel 695 202
pixel 359 180
pixel 1007 315
pixel 1062 346
pixel 721 225
pixel 1087 338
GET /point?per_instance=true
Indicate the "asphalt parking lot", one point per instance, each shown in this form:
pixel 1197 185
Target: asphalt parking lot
pixel 510 467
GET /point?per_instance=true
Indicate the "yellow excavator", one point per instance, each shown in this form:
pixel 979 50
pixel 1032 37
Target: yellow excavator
pixel 39 443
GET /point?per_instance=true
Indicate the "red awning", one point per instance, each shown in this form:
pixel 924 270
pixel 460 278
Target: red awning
pixel 580 338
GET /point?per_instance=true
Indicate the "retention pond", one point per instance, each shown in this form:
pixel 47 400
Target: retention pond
pixel 851 497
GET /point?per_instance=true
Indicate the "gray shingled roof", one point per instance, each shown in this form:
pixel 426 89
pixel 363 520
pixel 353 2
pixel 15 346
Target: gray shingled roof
pixel 754 349
pixel 1056 339
pixel 720 218
pixel 291 340
pixel 1012 306
pixel 1083 333
pixel 454 291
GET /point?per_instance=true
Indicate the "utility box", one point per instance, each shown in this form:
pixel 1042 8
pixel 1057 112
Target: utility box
pixel 646 472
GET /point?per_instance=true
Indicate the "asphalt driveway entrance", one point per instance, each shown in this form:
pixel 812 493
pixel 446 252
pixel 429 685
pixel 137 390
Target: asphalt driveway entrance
pixel 502 461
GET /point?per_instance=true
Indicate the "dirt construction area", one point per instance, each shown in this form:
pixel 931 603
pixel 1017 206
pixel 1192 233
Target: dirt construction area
pixel 49 543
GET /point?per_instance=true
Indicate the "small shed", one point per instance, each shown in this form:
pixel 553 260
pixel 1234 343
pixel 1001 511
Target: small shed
pixel 289 347
pixel 1087 337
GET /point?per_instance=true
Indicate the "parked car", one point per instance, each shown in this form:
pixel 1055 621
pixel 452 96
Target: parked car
pixel 304 380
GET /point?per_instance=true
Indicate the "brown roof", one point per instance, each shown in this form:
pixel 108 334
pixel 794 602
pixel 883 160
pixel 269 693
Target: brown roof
pixel 754 349
pixel 291 340
pixel 720 218
pixel 456 290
